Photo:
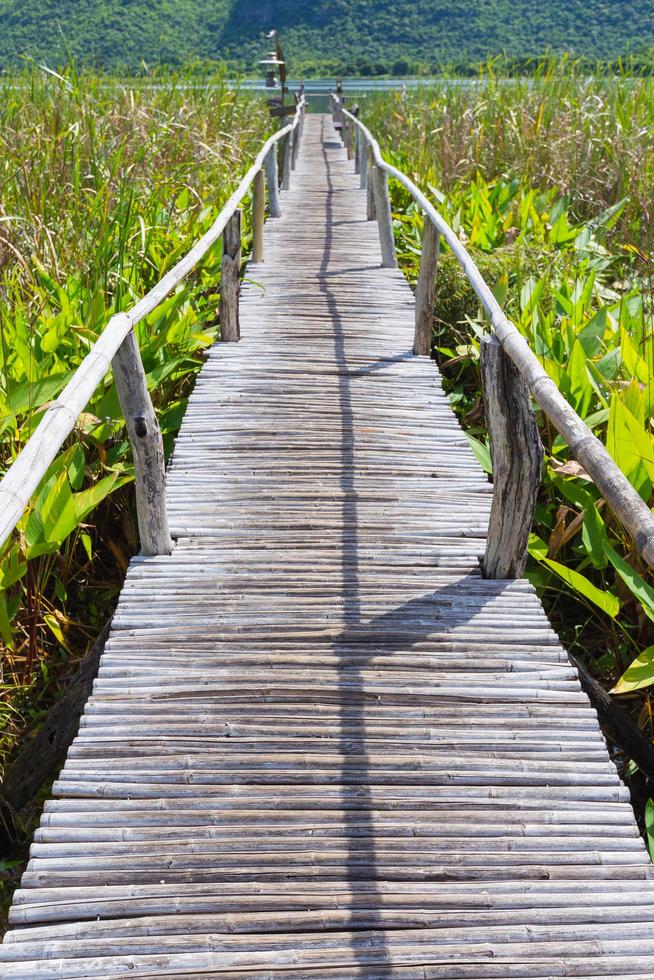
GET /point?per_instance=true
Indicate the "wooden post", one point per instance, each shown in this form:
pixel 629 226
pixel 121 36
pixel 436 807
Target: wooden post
pixel 147 448
pixel 372 214
pixel 357 150
pixel 286 162
pixel 426 288
pixel 258 216
pixel 272 179
pixel 363 161
pixel 230 329
pixel 295 146
pixel 384 217
pixel 517 460
pixel 352 129
pixel 345 125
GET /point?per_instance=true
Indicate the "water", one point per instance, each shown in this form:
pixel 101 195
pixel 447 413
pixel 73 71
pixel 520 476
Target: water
pixel 318 90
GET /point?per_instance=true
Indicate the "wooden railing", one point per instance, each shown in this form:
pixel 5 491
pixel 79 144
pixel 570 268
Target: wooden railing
pixel 511 374
pixel 117 348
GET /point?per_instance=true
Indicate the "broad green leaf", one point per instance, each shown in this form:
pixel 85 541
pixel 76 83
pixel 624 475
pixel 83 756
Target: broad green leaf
pixel 591 336
pixel 604 600
pixel 593 532
pixel 581 391
pixel 31 395
pixel 481 453
pixel 649 826
pixel 55 628
pixel 643 592
pixel 58 511
pixel 5 622
pixel 622 446
pixel 85 538
pixel 12 566
pixel 76 467
pixel 537 547
pixel 637 367
pixel 638 674
pixel 88 500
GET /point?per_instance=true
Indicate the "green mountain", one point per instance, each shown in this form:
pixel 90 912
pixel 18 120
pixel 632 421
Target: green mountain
pixel 332 36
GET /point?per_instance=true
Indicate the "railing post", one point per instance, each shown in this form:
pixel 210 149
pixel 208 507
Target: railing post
pixel 372 214
pixel 426 288
pixel 230 329
pixel 351 129
pixel 517 456
pixel 272 179
pixel 384 217
pixel 286 162
pixel 295 137
pixel 258 216
pixel 147 448
pixel 362 148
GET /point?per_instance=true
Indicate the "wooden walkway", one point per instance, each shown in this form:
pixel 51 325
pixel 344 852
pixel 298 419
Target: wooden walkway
pixel 320 745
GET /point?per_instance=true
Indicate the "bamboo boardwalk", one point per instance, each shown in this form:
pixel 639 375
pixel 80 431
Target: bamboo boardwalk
pixel 319 744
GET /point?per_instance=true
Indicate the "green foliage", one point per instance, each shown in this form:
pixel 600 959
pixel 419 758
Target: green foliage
pixel 102 188
pixel 549 185
pixel 367 37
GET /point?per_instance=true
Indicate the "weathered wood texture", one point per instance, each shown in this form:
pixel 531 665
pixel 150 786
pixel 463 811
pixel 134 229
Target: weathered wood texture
pixel 258 215
pixel 517 455
pixel 147 447
pixel 426 289
pixel 320 745
pixel 272 181
pixel 230 282
pixel 384 217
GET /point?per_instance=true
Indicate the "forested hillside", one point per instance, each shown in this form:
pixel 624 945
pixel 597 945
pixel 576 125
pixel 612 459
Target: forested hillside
pixel 366 36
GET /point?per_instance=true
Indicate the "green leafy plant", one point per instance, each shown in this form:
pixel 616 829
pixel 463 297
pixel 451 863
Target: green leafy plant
pixel 103 187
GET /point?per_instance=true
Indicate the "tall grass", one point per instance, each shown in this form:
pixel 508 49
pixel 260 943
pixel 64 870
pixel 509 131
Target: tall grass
pixel 103 186
pixel 549 182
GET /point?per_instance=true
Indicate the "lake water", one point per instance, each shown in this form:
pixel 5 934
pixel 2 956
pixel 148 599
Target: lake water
pixel 318 90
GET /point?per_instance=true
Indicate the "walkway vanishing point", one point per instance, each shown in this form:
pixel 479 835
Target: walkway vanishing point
pixel 320 745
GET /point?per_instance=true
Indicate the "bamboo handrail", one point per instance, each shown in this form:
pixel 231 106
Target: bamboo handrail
pixel 627 505
pixel 28 469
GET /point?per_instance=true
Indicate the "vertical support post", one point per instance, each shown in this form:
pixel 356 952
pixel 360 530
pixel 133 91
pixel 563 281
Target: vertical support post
pixel 272 179
pixel 295 136
pixel 230 329
pixel 345 125
pixel 357 150
pixel 258 216
pixel 363 161
pixel 286 162
pixel 384 217
pixel 351 130
pixel 517 456
pixel 372 214
pixel 147 448
pixel 426 288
